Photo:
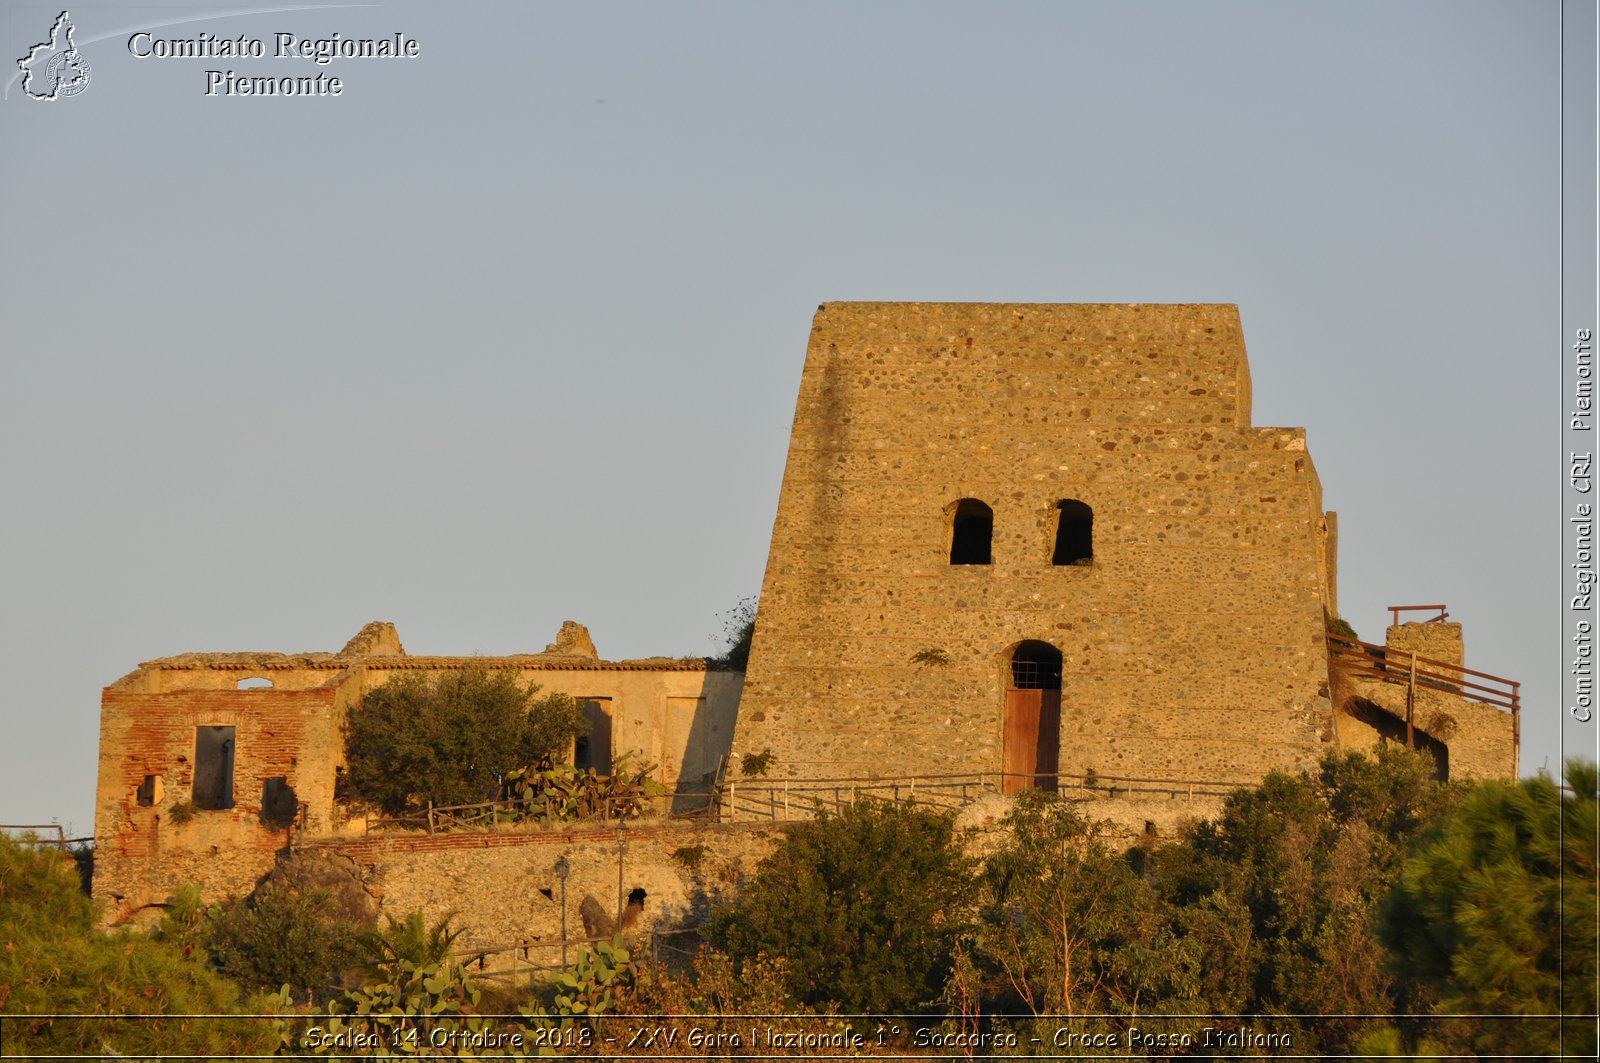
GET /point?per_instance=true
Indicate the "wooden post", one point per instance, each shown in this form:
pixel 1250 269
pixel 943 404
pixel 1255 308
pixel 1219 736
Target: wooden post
pixel 1411 700
pixel 430 815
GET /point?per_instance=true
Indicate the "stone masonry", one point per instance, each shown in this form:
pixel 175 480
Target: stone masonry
pixel 1191 640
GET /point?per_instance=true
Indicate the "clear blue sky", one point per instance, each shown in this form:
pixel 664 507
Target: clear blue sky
pixel 511 332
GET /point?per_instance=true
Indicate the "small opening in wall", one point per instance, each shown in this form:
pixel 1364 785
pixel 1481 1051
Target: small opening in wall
pixel 971 533
pixel 636 898
pixel 150 791
pixel 593 750
pixel 213 767
pixel 1074 534
pixel 255 682
pixel 548 893
pixel 279 804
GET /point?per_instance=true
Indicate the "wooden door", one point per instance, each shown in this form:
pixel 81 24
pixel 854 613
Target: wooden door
pixel 1032 739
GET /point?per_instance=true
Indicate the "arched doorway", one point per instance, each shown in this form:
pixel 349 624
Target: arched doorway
pixel 1032 750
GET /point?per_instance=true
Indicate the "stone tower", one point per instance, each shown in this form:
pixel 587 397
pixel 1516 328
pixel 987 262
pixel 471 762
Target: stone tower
pixel 1038 538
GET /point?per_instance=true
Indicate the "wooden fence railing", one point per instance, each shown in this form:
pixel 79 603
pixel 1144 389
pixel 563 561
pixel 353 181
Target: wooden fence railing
pixel 502 815
pixel 30 834
pixel 524 957
pixel 1402 666
pixel 789 799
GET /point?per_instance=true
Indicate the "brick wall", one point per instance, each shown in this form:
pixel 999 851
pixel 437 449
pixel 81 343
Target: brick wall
pixel 141 853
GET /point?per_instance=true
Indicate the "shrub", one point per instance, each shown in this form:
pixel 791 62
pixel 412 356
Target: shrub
pixel 738 632
pixel 280 937
pixel 714 999
pixel 690 856
pixel 405 1010
pixel 54 960
pixel 1338 625
pixel 411 940
pixel 756 765
pixel 551 792
pixel 863 907
pixel 600 978
pixel 450 738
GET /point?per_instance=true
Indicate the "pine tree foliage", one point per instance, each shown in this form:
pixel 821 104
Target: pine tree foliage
pixel 1496 913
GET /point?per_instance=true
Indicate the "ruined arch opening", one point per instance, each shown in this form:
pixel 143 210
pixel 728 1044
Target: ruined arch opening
pixel 1390 730
pixel 1031 751
pixel 971 533
pixel 1074 533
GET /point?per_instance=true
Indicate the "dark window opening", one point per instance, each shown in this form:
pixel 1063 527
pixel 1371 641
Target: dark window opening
pixel 593 750
pixel 971 533
pixel 213 767
pixel 279 804
pixel 636 898
pixel 149 792
pixel 1036 666
pixel 1074 534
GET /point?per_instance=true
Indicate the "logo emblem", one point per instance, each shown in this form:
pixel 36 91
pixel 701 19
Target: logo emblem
pixel 55 69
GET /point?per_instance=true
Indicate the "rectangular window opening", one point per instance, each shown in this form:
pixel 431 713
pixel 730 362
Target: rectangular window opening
pixel 150 792
pixel 213 767
pixel 593 750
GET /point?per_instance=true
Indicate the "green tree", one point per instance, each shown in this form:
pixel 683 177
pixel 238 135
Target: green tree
pixel 863 907
pixel 55 960
pixel 1277 899
pixel 1067 927
pixel 450 737
pixel 1496 913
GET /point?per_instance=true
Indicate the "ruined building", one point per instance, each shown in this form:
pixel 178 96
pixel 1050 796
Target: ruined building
pixel 198 751
pixel 1016 544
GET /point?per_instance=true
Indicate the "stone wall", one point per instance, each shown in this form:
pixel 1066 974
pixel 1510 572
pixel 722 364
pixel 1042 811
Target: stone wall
pixel 503 889
pixel 1192 643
